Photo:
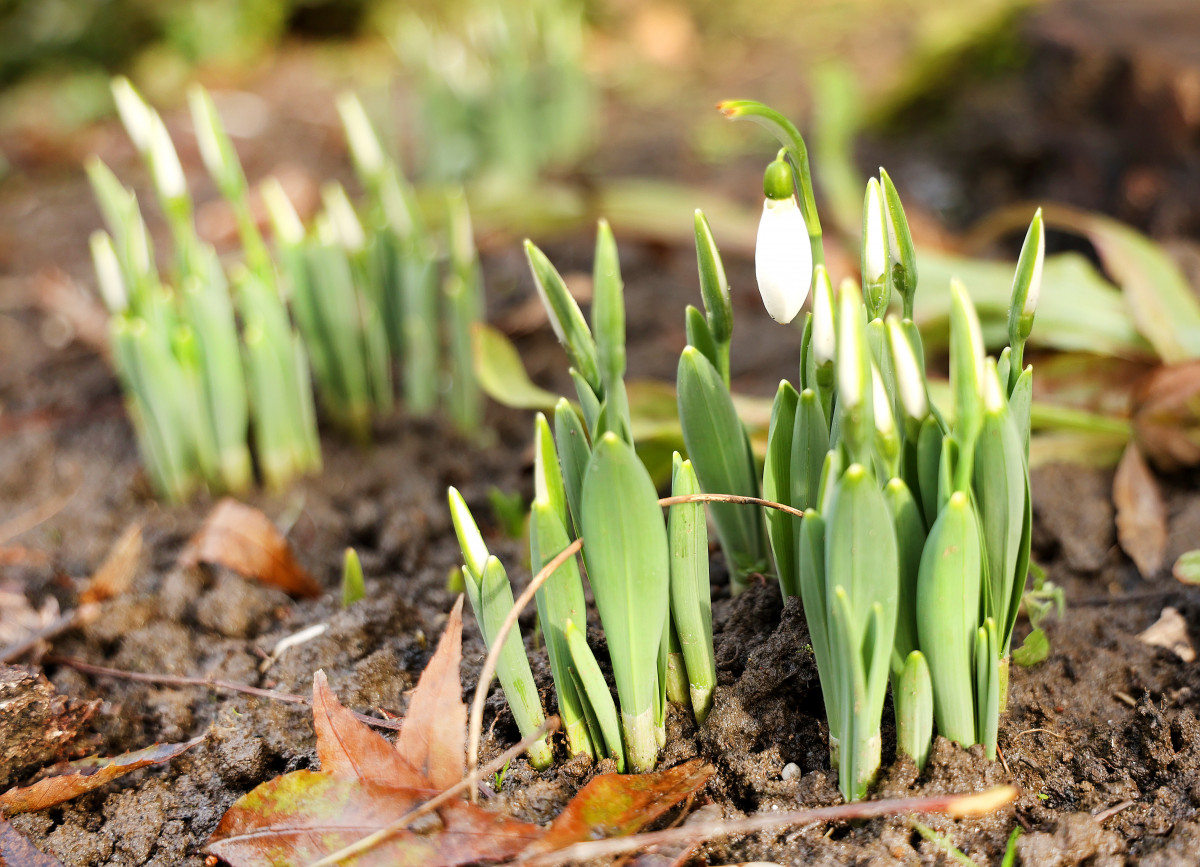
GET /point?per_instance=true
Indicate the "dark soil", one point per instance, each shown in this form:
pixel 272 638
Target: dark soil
pixel 1106 722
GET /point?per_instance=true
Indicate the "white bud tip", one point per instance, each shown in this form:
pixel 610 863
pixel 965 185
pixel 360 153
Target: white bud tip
pixel 875 242
pixel 205 120
pixel 783 259
pixel 880 404
pixel 345 222
pixel 134 113
pixel 286 222
pixel 108 273
pixel 360 135
pixel 908 373
pixel 824 336
pixel 993 394
pixel 1035 282
pixel 164 161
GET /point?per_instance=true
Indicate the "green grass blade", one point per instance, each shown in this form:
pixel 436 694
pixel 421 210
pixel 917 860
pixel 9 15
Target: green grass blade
pixel 574 452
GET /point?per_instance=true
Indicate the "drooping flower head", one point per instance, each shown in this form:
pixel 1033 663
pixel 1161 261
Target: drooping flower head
pixel 783 255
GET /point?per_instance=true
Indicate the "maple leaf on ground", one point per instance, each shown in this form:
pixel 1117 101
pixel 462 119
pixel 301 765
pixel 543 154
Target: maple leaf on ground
pixel 434 736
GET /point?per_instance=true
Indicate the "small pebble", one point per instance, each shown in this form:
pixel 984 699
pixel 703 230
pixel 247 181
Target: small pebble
pixel 791 771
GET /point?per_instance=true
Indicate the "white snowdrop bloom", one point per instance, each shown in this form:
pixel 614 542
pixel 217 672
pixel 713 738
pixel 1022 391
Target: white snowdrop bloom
pixel 134 113
pixel 108 273
pixel 824 336
pixel 875 242
pixel 347 229
pixel 164 161
pixel 881 405
pixel 206 122
pixel 993 394
pixel 852 377
pixel 783 258
pixel 284 219
pixel 360 135
pixel 909 381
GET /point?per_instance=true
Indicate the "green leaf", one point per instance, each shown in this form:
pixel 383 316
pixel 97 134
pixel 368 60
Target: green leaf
pixel 547 474
pixel 948 596
pixel 558 600
pixel 714 287
pixel 691 602
pixel 501 373
pixel 512 667
pixel 565 316
pixel 574 452
pixel 628 564
pixel 470 540
pixel 718 448
pixel 353 588
pixel 1157 293
pixel 594 691
pixel 914 709
pixel 1035 649
pixel 777 486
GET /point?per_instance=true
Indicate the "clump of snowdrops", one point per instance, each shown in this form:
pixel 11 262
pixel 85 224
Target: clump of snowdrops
pixel 903 528
pixel 218 358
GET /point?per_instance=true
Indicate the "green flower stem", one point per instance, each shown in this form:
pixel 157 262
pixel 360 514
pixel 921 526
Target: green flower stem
pixel 787 134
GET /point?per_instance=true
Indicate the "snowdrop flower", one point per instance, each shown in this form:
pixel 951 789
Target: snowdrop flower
pixel 993 392
pixel 360 135
pixel 852 374
pixel 134 113
pixel 874 252
pixel 824 337
pixel 346 227
pixel 783 255
pixel 285 222
pixel 164 161
pixel 909 380
pixel 108 272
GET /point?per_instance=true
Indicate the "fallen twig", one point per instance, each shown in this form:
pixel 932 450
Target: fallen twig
pixel 210 683
pixel 953 805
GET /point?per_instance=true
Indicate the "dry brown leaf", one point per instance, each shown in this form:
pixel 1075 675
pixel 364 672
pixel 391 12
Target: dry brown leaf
pixel 347 748
pixel 1141 512
pixel 304 816
pixel 241 538
pixel 616 805
pixel 1166 416
pixel 16 851
pixel 434 737
pixel 119 568
pixel 1170 632
pixel 76 778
